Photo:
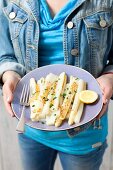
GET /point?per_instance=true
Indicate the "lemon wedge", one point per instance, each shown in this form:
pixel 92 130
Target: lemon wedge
pixel 88 96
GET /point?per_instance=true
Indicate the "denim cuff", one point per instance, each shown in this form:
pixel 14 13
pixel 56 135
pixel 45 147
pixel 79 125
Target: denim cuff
pixel 108 68
pixel 74 131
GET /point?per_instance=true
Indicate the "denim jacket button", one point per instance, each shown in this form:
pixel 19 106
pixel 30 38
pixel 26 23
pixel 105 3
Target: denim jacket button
pixel 12 15
pixel 70 25
pixel 103 23
pixel 74 52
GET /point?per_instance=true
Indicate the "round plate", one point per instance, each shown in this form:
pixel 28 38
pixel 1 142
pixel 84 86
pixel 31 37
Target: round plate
pixel 90 111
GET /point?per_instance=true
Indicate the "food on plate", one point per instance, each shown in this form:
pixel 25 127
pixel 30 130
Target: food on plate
pixel 76 103
pixel 67 101
pixel 58 98
pixel 80 109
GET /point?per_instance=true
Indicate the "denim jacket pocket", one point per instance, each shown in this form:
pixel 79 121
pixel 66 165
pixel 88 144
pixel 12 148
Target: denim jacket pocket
pixel 17 17
pixel 98 26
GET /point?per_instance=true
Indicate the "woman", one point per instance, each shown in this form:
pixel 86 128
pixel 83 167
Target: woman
pixel 35 33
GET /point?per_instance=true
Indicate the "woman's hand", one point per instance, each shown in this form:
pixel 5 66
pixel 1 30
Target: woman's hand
pixel 106 84
pixel 10 80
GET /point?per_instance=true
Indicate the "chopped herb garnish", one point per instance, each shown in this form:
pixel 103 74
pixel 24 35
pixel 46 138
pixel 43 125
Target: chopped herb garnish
pixel 46 99
pixel 54 98
pixel 76 78
pixel 67 88
pixel 54 114
pixel 70 92
pixel 33 105
pixel 33 93
pixel 51 105
pixel 43 122
pixel 64 95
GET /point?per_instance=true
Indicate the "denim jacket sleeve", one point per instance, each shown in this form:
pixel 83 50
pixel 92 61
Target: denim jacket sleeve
pixel 8 60
pixel 109 66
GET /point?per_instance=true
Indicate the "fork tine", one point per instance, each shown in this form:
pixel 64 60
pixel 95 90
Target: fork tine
pixel 22 94
pixel 24 99
pixel 27 94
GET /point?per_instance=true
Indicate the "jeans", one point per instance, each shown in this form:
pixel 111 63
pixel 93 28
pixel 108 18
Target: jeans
pixel 36 156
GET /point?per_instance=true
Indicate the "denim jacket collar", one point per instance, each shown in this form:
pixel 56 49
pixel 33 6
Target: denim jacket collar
pixel 31 6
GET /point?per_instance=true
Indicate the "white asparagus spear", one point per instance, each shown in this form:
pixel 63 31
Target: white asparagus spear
pixel 32 87
pixel 58 91
pixel 76 102
pixel 50 119
pixel 80 110
pixel 67 101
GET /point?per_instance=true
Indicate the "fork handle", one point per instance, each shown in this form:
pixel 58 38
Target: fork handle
pixel 21 123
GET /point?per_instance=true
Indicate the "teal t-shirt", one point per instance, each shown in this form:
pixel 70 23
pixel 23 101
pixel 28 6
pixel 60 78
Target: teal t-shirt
pixel 51 52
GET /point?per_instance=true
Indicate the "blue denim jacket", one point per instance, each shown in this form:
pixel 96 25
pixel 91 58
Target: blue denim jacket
pixel 87 39
pixel 87 36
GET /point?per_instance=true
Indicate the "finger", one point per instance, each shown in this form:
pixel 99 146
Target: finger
pixel 104 109
pixel 8 92
pixel 8 107
pixel 8 97
pixel 105 101
pixel 107 94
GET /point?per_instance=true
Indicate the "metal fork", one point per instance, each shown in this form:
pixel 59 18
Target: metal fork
pixel 24 101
